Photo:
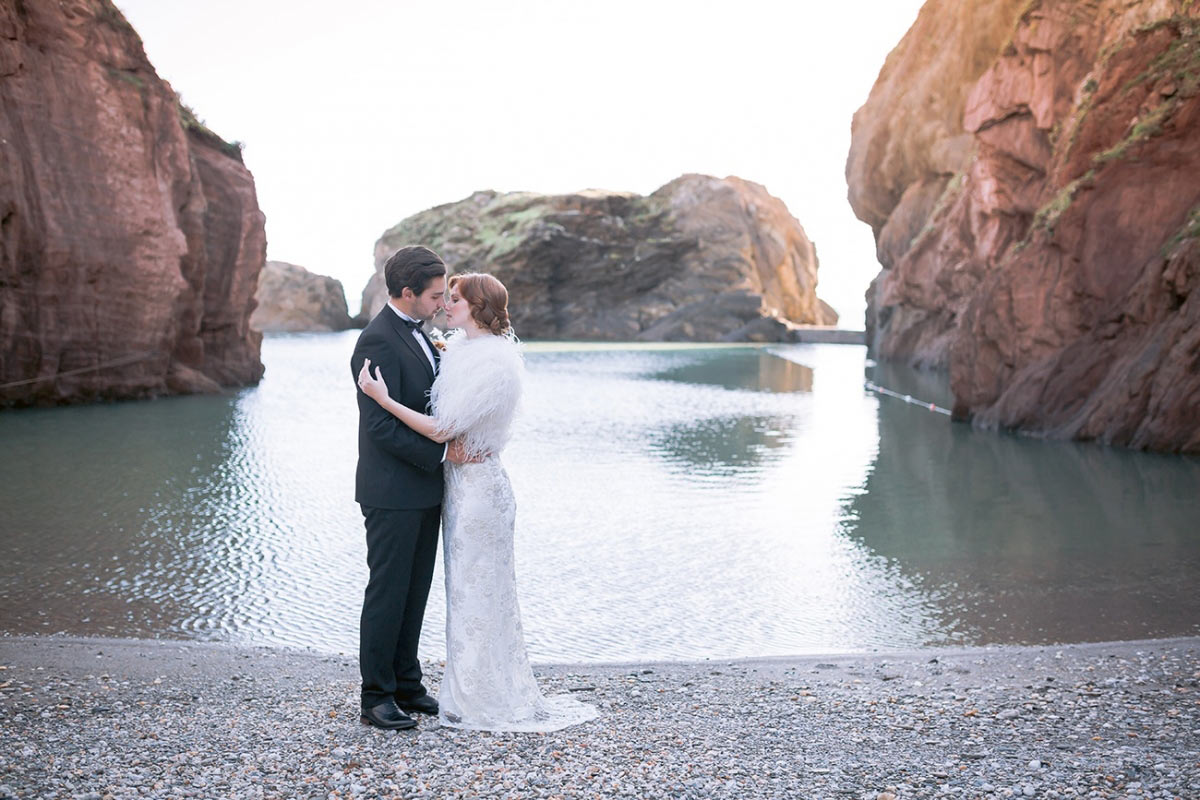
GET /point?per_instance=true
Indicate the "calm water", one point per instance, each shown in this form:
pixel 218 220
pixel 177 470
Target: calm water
pixel 672 503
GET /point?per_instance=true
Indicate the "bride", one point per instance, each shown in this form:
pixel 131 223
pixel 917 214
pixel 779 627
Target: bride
pixel 488 683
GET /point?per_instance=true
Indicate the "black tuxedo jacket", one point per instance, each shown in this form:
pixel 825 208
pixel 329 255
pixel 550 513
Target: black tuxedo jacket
pixel 397 467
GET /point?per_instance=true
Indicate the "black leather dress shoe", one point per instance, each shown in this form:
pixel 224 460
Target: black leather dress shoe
pixel 387 716
pixel 420 705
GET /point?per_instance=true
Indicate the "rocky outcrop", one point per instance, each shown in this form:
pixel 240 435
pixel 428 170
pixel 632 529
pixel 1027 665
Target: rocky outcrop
pixel 292 299
pixel 130 234
pixel 700 259
pixel 1044 251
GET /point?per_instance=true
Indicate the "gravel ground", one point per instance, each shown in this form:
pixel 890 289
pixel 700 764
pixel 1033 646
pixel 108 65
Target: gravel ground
pixel 98 718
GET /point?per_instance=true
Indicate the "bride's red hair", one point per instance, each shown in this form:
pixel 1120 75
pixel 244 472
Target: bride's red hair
pixel 487 298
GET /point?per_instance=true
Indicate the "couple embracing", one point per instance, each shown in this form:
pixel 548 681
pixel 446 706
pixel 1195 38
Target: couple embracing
pixel 432 423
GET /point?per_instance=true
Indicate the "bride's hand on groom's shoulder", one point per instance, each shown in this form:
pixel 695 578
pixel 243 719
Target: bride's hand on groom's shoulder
pixel 372 386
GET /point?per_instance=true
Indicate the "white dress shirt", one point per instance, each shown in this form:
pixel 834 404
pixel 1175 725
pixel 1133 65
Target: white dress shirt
pixel 421 340
pixel 416 334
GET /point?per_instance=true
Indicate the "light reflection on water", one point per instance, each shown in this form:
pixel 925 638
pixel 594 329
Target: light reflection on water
pixel 672 503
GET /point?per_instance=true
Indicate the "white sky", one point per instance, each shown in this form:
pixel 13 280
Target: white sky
pixel 360 114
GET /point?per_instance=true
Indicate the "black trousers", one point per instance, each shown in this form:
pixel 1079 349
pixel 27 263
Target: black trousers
pixel 401 551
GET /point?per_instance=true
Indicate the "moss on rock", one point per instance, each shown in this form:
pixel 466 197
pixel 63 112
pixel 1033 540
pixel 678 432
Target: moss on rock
pixel 193 124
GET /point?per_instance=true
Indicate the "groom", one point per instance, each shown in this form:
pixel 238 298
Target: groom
pixel 399 488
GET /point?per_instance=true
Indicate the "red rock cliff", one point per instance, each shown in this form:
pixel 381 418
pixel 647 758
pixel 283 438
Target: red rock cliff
pixel 1032 174
pixel 130 235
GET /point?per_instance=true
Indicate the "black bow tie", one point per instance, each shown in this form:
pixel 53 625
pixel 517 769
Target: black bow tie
pixel 412 324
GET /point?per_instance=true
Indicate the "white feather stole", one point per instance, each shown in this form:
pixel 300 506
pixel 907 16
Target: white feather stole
pixel 478 390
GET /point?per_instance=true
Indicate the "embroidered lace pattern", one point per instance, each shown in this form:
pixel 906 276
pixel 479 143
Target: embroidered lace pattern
pixel 488 683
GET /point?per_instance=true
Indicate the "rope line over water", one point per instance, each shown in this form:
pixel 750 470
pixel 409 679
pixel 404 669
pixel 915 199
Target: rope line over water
pixel 908 398
pixel 120 362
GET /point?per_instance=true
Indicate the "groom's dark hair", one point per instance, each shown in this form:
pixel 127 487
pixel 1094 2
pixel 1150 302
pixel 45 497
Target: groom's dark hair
pixel 412 267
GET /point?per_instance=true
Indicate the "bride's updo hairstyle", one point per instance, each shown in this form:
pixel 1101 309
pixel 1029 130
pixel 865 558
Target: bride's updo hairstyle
pixel 487 298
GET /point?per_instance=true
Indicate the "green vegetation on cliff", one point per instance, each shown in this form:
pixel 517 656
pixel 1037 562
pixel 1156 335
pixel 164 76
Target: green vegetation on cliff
pixel 193 124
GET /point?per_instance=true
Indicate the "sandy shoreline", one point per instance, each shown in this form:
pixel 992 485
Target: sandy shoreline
pixel 164 718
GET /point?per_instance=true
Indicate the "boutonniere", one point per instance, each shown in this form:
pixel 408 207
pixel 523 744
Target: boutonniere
pixel 439 341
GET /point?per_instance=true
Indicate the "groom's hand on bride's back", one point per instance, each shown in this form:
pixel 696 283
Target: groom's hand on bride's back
pixel 457 455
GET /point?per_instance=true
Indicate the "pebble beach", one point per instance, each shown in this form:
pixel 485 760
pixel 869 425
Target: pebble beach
pixel 108 718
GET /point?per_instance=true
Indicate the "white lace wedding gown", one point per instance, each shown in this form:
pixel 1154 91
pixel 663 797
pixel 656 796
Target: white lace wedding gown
pixel 488 683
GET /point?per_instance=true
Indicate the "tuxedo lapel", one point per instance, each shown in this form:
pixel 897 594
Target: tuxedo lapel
pixel 406 337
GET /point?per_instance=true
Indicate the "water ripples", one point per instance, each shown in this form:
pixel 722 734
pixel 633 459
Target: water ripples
pixel 675 503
